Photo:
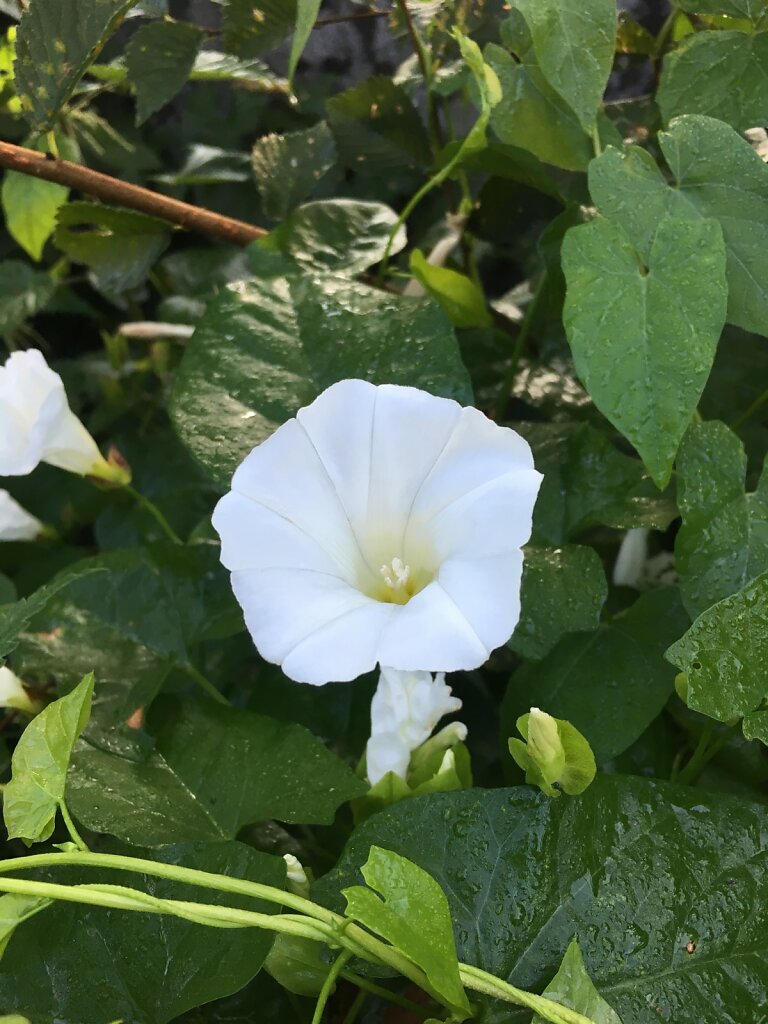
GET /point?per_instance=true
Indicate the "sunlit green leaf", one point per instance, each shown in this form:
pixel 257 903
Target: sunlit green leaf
pixel 159 58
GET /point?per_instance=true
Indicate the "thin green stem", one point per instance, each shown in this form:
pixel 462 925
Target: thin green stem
pixel 481 981
pixel 749 412
pixel 154 511
pixel 519 348
pixel 77 839
pixel 355 1008
pixel 596 143
pixel 710 744
pixel 425 63
pixel 383 993
pixel 664 34
pixel 206 684
pixel 329 985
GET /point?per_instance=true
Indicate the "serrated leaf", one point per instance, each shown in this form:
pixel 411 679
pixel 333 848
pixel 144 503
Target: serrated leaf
pixel 611 683
pixel 644 336
pixel 460 297
pixel 574 42
pixel 55 44
pixel 214 770
pixel 267 347
pixel 119 246
pixel 40 762
pixel 159 58
pixel 250 31
pixel 144 968
pixel 563 591
pixel 640 873
pixel 724 654
pixel 288 167
pixel 24 291
pixel 573 987
pixel 344 236
pixel 716 174
pixel 406 906
pixel 723 541
pixel 721 74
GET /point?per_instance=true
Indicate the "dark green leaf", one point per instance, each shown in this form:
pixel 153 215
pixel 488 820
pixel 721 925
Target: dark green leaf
pixel 24 291
pixel 406 906
pixel 119 246
pixel 610 684
pixel 573 987
pixel 40 762
pixel 563 591
pixel 717 174
pixel 215 769
pixel 634 870
pixel 251 31
pixel 721 74
pixel 306 13
pixel 83 965
pixel 266 348
pixel 752 9
pixel 159 58
pixel 574 41
pixel 724 654
pixel 288 167
pixel 55 44
pixel 209 165
pixel 723 541
pixel 344 236
pixel 644 333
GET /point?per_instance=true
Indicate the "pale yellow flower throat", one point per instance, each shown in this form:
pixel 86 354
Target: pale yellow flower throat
pixel 398 584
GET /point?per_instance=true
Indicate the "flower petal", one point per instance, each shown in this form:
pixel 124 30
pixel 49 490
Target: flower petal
pixel 386 752
pixel 317 627
pixel 15 522
pixel 487 592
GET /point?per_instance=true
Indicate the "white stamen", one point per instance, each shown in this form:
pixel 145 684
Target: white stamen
pixel 396 575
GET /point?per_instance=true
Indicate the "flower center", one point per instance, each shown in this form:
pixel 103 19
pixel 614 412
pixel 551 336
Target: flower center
pixel 398 583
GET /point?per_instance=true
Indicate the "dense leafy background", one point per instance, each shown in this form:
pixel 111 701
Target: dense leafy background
pixel 587 264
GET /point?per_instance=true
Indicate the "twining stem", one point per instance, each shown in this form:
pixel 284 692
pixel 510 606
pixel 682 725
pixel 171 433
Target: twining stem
pixel 366 985
pixel 206 685
pixel 709 745
pixel 77 839
pixel 154 511
pixel 751 409
pixel 425 64
pixel 134 197
pixel 312 921
pixel 329 984
pixel 355 1008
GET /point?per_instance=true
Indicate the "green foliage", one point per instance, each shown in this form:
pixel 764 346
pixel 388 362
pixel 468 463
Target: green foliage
pixel 555 756
pixel 573 987
pixel 159 59
pixel 288 167
pixel 24 291
pixel 407 907
pixel 40 762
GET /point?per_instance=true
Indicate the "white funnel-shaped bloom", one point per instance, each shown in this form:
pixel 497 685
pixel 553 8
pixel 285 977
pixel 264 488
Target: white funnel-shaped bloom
pixel 13 694
pixel 381 525
pixel 15 522
pixel 37 425
pixel 404 711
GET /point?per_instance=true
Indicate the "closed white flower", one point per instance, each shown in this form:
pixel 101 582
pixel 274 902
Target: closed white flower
pixel 381 525
pixel 37 425
pixel 15 522
pixel 405 709
pixel 13 694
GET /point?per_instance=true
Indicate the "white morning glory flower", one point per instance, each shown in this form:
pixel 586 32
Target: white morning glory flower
pixel 382 525
pixel 37 425
pixel 15 522
pixel 405 709
pixel 13 694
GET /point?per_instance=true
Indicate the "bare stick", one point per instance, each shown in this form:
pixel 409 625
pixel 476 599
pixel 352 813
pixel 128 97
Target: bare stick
pixel 120 193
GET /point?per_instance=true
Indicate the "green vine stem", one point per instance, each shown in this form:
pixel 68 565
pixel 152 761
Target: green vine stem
pixel 311 920
pixel 154 511
pixel 329 985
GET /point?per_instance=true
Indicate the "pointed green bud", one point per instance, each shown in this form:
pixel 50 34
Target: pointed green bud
pixel 555 756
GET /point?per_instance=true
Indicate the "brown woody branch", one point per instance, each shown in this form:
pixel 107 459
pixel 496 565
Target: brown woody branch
pixel 121 193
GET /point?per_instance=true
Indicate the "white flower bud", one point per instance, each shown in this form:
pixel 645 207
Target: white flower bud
pixel 13 694
pixel 15 522
pixel 296 876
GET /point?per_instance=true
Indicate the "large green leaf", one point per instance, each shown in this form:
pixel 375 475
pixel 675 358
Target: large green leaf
pixel 288 167
pixel 56 42
pixel 574 42
pixel 724 654
pixel 610 683
pixel 588 481
pixel 716 174
pixel 15 910
pixel 83 965
pixel 24 291
pixel 214 770
pixel 406 906
pixel 563 592
pixel 159 58
pixel 344 236
pixel 664 888
pixel 267 347
pixel 644 331
pixel 39 766
pixel 723 541
pixel 249 34
pixel 752 9
pixel 721 74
